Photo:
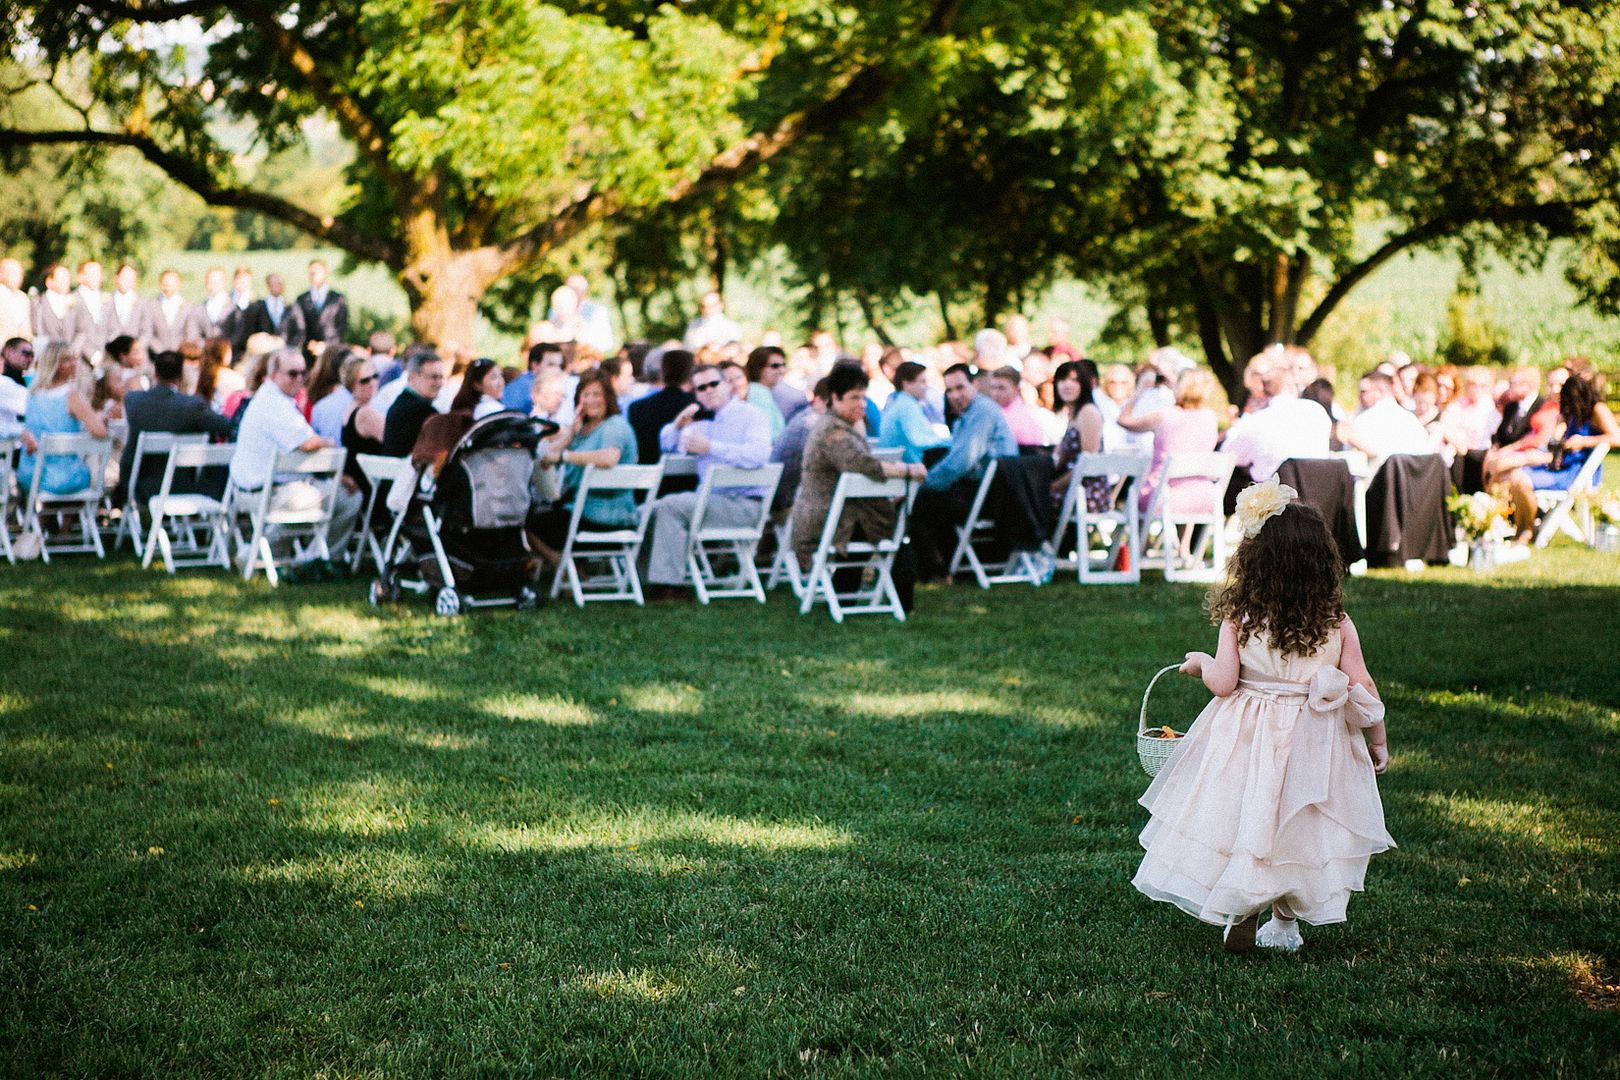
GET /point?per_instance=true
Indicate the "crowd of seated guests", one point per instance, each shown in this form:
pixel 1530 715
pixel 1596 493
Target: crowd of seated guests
pixel 278 374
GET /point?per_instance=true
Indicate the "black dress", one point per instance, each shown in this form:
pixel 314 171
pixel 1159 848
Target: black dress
pixel 356 444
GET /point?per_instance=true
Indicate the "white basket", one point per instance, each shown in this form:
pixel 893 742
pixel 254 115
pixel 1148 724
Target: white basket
pixel 1154 750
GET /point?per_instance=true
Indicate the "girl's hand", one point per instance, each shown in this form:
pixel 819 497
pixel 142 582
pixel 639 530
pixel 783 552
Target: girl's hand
pixel 1195 663
pixel 1380 757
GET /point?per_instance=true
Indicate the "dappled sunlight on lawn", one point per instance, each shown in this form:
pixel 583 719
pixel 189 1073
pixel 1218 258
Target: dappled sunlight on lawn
pixel 634 828
pixel 636 984
pixel 676 700
pixel 342 720
pixel 400 686
pixel 362 807
pixel 537 708
pixel 372 874
pixel 1567 831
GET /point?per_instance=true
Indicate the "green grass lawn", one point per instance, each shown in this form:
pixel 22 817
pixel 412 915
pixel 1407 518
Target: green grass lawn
pixel 278 833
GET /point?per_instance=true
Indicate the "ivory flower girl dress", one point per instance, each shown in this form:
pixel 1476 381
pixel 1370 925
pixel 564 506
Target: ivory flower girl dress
pixel 1270 796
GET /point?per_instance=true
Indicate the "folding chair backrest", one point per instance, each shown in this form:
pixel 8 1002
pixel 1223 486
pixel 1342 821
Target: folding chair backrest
pixel 1213 466
pixel 153 443
pixel 631 478
pixel 8 451
pixel 889 453
pixel 1132 466
pixel 1586 479
pixel 732 478
pixel 89 449
pixel 855 486
pixel 327 461
pixel 200 455
pixel 983 493
pixel 382 469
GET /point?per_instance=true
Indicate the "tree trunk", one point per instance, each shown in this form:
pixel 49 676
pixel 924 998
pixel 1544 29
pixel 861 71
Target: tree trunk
pixel 865 301
pixel 945 317
pixel 1209 335
pixel 444 289
pixel 1158 319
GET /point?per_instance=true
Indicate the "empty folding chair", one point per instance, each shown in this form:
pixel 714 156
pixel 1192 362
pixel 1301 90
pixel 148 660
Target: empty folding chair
pixel 189 529
pixel 784 563
pixel 1018 566
pixel 151 454
pixel 382 472
pixel 872 559
pixel 706 543
pixel 1118 527
pixel 1559 509
pixel 1164 527
pixel 295 507
pixel 613 551
pixel 8 450
pixel 80 504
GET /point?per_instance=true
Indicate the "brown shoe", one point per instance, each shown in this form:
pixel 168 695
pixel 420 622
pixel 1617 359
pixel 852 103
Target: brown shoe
pixel 1239 936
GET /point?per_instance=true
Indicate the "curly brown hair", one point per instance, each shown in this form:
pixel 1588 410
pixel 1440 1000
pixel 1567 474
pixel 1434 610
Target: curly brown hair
pixel 1284 582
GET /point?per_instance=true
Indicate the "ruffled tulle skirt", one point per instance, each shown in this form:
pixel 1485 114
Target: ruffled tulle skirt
pixel 1266 799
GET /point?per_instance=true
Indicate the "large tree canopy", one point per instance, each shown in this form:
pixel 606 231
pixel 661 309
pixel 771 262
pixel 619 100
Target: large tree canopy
pixel 1218 160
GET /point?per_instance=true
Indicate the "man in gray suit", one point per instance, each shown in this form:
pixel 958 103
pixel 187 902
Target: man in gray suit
pixel 92 313
pixel 53 308
pixel 127 317
pixel 325 311
pixel 163 408
pixel 275 314
pixel 166 315
pixel 217 315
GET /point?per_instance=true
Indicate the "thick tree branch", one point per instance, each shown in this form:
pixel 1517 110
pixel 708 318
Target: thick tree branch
pixel 196 176
pixel 1557 217
pixel 170 11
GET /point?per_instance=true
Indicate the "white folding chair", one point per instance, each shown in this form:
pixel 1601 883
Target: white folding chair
pixel 153 444
pixel 706 542
pixel 878 597
pixel 618 549
pixel 81 504
pixel 785 564
pixel 1018 566
pixel 1559 509
pixel 189 529
pixel 8 450
pixel 1119 527
pixel 382 473
pixel 1164 528
pixel 303 525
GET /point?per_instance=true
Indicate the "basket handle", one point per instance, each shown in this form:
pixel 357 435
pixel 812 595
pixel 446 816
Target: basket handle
pixel 1141 719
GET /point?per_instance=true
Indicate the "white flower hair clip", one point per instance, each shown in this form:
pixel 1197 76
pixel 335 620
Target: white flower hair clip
pixel 1259 503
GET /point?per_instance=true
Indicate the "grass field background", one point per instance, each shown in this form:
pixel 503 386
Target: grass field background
pixel 1402 306
pixel 269 832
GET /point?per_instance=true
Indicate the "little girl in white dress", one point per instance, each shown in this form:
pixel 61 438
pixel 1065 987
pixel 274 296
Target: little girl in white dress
pixel 1270 800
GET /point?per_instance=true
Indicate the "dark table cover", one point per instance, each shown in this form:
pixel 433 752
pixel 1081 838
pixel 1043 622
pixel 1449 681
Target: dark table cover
pixel 1326 484
pixel 1406 511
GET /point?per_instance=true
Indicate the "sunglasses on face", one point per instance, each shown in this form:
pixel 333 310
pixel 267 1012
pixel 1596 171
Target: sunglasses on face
pixel 777 366
pixel 700 387
pixel 368 378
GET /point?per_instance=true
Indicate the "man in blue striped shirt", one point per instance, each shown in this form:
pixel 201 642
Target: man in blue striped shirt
pixel 981 435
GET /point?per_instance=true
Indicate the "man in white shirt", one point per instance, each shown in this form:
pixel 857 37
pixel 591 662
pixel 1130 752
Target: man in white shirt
pixel 127 317
pixel 217 315
pixel 594 327
pixel 273 425
pixel 166 315
pixel 17 357
pixel 1288 427
pixel 1383 427
pixel 16 311
pixel 712 326
pixel 53 310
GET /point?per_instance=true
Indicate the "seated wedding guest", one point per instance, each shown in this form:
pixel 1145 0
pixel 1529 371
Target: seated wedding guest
pixel 58 405
pixel 1382 426
pixel 981 435
pixel 1585 421
pixel 1117 383
pixel 362 430
pixel 124 367
pixel 905 425
pixel 766 367
pixel 1287 427
pixel 649 415
pixel 442 431
pixel 163 409
pixel 271 425
pixel 838 445
pixel 255 355
pixel 1003 388
pixel 551 398
pixel 621 375
pixel 1190 426
pixel 789 448
pixel 1471 417
pixel 1521 401
pixel 402 424
pixel 737 377
pixel 329 402
pixel 738 435
pixel 599 436
pixel 1076 391
pixel 15 359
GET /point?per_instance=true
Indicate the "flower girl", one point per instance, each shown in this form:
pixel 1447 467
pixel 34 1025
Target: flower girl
pixel 1271 799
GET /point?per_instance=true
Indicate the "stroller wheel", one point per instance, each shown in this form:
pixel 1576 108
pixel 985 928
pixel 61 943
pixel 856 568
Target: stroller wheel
pixel 527 599
pixel 448 603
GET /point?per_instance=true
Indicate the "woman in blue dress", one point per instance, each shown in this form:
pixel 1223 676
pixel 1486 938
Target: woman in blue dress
pixel 1584 422
pixel 58 405
pixel 599 436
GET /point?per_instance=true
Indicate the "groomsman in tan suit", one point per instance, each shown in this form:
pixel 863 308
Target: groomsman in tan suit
pixel 54 308
pixel 128 316
pixel 16 311
pixel 166 315
pixel 218 314
pixel 91 313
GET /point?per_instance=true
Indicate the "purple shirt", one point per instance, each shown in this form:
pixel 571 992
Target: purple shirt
pixel 739 435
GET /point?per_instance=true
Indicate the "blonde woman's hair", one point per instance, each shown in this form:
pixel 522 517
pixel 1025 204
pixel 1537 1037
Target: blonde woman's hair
pixel 349 373
pixel 1196 389
pixel 50 364
pixel 255 359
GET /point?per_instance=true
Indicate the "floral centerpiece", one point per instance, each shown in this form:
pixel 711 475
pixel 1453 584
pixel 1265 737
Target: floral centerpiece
pixel 1604 506
pixel 1485 520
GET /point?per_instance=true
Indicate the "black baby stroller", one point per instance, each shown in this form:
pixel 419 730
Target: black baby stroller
pixel 462 537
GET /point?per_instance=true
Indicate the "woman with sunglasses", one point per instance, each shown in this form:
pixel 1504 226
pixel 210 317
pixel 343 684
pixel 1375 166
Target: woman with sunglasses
pixel 363 426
